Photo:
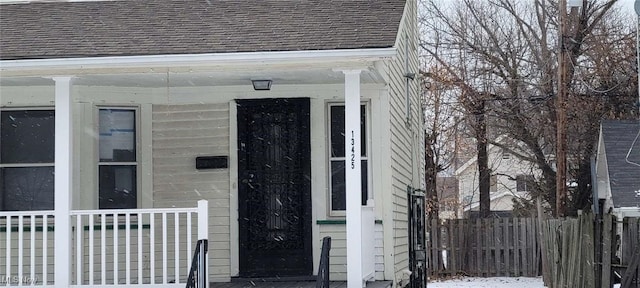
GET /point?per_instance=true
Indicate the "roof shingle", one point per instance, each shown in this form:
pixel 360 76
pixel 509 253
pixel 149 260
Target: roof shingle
pixel 157 27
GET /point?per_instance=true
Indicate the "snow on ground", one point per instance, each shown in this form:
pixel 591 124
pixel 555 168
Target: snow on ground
pixel 494 282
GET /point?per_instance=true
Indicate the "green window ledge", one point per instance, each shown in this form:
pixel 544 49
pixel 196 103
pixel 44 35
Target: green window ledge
pixel 338 222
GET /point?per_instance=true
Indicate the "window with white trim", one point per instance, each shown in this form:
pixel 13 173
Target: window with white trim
pixel 337 162
pixel 27 149
pixel 524 182
pixel 118 159
pixel 493 184
pixel 505 154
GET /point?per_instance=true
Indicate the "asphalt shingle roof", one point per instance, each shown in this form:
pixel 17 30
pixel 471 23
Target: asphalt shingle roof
pixel 153 27
pixel 624 177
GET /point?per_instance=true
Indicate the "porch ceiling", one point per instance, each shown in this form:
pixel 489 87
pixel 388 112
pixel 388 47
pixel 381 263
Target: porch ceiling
pixel 189 77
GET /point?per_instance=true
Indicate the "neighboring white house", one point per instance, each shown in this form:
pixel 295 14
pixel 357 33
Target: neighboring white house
pixel 153 102
pixel 510 177
pixel 617 168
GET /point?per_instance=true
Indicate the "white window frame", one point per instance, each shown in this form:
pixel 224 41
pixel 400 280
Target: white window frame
pixel 367 156
pixel 506 155
pixel 525 178
pixel 137 111
pixel 493 183
pixel 28 165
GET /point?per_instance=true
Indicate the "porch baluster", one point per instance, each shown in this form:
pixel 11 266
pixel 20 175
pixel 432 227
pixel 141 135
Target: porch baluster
pixel 91 250
pixel 152 251
pixel 115 249
pixel 9 226
pixel 32 266
pixel 176 255
pixel 140 277
pixel 127 248
pixel 20 246
pixel 164 248
pixel 78 250
pixel 103 249
pixel 45 230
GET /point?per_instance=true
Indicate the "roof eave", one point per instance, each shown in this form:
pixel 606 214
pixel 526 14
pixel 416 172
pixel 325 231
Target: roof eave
pixel 194 60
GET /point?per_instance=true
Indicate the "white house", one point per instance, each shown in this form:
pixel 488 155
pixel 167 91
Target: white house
pixel 616 168
pixel 510 177
pixel 150 104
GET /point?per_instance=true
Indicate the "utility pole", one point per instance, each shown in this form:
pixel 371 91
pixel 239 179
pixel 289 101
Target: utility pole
pixel 636 7
pixel 561 115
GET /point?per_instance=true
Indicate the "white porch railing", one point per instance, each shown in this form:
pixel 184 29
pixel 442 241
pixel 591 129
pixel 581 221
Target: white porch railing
pixel 132 248
pixel 368 243
pixel 26 248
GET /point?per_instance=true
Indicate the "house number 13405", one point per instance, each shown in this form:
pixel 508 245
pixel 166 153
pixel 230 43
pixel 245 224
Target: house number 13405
pixel 353 150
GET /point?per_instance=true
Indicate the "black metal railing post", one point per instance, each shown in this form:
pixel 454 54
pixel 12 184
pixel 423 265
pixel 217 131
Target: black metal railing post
pixel 417 243
pixel 322 280
pixel 198 272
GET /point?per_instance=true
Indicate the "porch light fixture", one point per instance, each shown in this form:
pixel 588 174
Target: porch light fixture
pixel 261 84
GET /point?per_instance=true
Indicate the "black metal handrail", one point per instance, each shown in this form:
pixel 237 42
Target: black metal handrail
pixel 198 272
pixel 322 281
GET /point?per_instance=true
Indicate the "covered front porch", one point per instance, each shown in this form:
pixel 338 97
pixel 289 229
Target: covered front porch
pixel 125 247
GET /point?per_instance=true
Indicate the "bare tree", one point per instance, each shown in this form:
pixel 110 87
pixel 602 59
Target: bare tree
pixel 502 56
pixel 441 119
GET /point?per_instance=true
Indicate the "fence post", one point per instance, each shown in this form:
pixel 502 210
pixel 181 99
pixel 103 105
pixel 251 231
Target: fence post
pixel 546 274
pixel 606 250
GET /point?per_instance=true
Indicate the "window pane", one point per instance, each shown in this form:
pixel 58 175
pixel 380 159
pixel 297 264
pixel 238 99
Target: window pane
pixel 363 130
pixel 494 183
pixel 117 187
pixel 27 136
pixel 338 198
pixel 117 135
pixel 337 131
pixel 26 188
pixel 523 183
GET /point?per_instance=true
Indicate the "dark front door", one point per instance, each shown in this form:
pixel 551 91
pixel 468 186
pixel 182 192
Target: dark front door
pixel 274 188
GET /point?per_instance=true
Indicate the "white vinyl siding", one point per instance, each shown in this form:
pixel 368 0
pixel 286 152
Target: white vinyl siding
pixel 406 138
pixel 180 134
pixel 338 252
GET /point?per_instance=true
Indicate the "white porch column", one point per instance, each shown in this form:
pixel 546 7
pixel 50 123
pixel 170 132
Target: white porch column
pixel 62 186
pixel 353 177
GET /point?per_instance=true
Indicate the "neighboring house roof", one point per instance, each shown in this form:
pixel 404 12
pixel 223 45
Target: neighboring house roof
pixel 620 138
pixel 493 197
pixel 472 161
pixel 157 27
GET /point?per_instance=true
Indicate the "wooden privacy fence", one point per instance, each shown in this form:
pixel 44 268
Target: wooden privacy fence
pixel 590 251
pixel 630 247
pixel 569 248
pixel 484 247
